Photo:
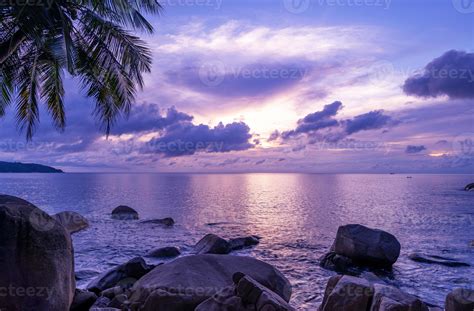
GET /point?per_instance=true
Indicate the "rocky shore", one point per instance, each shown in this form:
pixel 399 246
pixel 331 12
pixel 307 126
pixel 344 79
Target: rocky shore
pixel 38 258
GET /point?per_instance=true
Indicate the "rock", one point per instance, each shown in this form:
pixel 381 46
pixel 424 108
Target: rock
pixel 128 272
pixel 469 187
pixel 333 261
pixel 212 244
pixel 165 252
pixel 367 247
pixel 460 300
pixel 118 301
pixel 186 282
pixel 246 295
pixel 354 294
pixel 433 259
pixel 123 212
pixel 72 221
pixel 240 243
pixel 37 257
pixel 83 300
pixel 169 222
pixel 391 298
pixel 101 302
pixel 347 293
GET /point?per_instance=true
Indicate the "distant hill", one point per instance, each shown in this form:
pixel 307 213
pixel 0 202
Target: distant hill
pixel 8 167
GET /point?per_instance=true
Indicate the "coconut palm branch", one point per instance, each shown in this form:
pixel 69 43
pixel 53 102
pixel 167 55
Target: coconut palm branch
pixel 93 40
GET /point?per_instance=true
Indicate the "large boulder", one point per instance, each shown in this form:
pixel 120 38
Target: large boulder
pixel 72 221
pixel 246 295
pixel 36 255
pixel 347 293
pixel 127 272
pixel 123 212
pixel 184 283
pixel 460 299
pixel 366 247
pixel 391 298
pixel 212 244
pixel 350 293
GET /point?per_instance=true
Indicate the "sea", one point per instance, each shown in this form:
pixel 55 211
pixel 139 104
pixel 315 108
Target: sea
pixel 296 216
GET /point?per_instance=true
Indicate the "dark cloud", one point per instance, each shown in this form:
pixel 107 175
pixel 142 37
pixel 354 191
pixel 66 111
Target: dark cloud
pixel 451 74
pixel 322 125
pixel 185 138
pixel 316 121
pixel 147 117
pixel 368 121
pixel 415 149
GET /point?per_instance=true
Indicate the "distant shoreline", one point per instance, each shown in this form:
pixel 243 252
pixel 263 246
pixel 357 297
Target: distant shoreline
pixel 17 167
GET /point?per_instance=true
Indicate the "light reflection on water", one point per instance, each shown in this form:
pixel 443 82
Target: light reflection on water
pixel 297 216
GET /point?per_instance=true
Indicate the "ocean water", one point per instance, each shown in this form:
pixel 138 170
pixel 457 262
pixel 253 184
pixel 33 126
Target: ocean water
pixel 297 216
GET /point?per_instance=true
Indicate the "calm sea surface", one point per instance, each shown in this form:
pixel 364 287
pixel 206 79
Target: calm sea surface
pixel 296 215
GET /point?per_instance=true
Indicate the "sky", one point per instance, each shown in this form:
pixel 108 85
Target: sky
pixel 324 86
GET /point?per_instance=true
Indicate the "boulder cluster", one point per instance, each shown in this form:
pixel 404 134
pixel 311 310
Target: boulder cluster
pixel 37 255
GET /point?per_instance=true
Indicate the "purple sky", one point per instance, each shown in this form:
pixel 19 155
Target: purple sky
pixel 284 85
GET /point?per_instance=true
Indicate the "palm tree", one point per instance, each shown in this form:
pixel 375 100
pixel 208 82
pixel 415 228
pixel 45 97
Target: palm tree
pixel 89 39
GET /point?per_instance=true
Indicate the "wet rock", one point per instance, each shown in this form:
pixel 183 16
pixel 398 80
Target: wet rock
pixel 246 295
pixel 391 298
pixel 433 259
pixel 188 281
pixel 469 187
pixel 354 294
pixel 212 244
pixel 356 245
pixel 240 243
pixel 460 300
pixel 118 301
pixel 168 222
pixel 130 271
pixel 101 302
pixel 123 212
pixel 347 293
pixel 83 300
pixel 165 252
pixel 72 221
pixel 37 255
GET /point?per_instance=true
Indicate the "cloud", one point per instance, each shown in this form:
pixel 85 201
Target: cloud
pixel 316 121
pixel 451 74
pixel 414 149
pixel 335 130
pixel 368 121
pixel 185 138
pixel 147 117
